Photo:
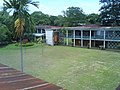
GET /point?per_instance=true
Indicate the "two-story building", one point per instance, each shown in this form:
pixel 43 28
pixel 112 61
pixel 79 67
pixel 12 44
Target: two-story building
pixel 93 36
pixel 83 36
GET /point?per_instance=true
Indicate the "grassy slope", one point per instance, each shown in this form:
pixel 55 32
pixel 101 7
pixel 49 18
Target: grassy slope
pixel 69 67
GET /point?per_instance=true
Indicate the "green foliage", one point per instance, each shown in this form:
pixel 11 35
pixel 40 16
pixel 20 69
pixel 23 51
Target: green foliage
pixel 40 18
pixel 92 18
pixel 118 46
pixel 60 21
pixel 110 12
pixel 25 44
pixel 5 34
pixel 39 40
pixel 52 20
pixel 63 31
pixel 20 11
pixel 70 42
pixel 74 16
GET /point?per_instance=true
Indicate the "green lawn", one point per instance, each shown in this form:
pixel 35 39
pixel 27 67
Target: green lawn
pixel 69 67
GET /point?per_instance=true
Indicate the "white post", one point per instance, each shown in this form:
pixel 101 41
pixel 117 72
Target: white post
pixel 74 37
pixel 94 38
pixel 90 40
pixel 41 30
pixel 37 30
pixel 66 37
pixel 81 38
pixel 104 40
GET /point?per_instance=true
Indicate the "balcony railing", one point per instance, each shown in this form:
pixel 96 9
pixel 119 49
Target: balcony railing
pixel 94 37
pixel 97 37
pixel 113 38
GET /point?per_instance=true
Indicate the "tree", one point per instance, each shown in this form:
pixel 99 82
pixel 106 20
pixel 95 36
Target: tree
pixel 92 18
pixel 4 33
pixel 21 17
pixel 60 21
pixel 110 12
pixel 52 20
pixel 40 18
pixel 74 16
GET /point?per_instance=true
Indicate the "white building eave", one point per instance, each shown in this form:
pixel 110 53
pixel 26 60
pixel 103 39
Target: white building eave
pixel 38 34
pixel 91 28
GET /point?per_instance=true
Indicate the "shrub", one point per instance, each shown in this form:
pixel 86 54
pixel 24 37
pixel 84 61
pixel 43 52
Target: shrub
pixel 5 34
pixel 3 43
pixel 25 44
pixel 118 46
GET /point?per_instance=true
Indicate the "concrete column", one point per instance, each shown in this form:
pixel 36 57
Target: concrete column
pixel 74 37
pixel 37 30
pixel 81 38
pixel 66 37
pixel 94 43
pixel 104 40
pixel 90 40
pixel 41 31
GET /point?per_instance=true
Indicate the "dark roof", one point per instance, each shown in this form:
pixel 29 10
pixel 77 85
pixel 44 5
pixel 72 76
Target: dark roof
pixel 83 27
pixel 47 27
pixel 92 25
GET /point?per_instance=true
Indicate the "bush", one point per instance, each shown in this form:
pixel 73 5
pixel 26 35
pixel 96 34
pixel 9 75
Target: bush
pixel 25 44
pixel 5 34
pixel 118 46
pixel 3 43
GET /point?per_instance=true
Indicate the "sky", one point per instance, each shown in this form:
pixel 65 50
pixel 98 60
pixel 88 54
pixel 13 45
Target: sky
pixel 55 7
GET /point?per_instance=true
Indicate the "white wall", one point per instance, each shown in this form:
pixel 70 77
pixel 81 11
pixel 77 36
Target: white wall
pixel 49 37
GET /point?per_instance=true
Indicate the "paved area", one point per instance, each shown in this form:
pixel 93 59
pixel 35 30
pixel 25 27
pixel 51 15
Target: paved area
pixel 12 79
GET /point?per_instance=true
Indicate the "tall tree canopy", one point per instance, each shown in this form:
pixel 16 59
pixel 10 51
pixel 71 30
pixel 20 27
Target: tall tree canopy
pixel 93 18
pixel 4 33
pixel 40 18
pixel 5 29
pixel 110 12
pixel 60 21
pixel 74 16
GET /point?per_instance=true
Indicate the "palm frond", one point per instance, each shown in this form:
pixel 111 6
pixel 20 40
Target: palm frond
pixel 36 3
pixel 19 27
pixel 7 5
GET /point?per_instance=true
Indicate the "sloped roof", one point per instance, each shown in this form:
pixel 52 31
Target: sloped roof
pixel 83 27
pixel 93 27
pixel 47 26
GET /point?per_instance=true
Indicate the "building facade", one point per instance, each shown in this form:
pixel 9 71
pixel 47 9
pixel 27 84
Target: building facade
pixel 50 34
pixel 83 36
pixel 107 37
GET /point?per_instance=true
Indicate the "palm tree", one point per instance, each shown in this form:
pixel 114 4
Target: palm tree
pixel 21 18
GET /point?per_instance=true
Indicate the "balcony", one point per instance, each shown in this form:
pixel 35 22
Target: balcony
pixel 112 38
pixel 94 37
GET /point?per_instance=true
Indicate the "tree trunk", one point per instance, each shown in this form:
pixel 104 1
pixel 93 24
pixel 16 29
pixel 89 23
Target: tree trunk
pixel 21 55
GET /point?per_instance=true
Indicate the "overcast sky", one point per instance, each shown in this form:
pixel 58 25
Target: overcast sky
pixel 55 7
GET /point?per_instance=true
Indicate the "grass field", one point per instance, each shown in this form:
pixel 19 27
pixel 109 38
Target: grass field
pixel 69 67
